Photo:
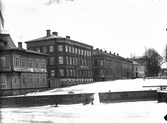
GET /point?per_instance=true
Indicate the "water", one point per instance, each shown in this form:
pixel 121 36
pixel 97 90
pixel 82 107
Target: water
pixel 125 112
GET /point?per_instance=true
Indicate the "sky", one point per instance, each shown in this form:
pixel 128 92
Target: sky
pixel 126 27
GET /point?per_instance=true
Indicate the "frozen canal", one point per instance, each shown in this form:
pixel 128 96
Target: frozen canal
pixel 126 112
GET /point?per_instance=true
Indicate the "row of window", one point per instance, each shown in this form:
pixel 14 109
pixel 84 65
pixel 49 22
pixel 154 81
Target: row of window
pixel 69 49
pixel 21 62
pixel 72 61
pixel 73 73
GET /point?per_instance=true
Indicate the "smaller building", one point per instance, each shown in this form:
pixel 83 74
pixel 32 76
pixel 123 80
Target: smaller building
pixel 21 71
pixel 138 70
pixel 108 66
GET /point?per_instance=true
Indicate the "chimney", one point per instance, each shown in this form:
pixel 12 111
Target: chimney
pixel 55 33
pixel 68 37
pixel 101 50
pixel 114 53
pixel 117 54
pixel 105 51
pixel 48 32
pixel 20 44
pixel 110 52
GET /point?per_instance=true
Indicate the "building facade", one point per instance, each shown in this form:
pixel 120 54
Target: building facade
pixel 138 70
pixel 69 61
pixel 108 66
pixel 22 71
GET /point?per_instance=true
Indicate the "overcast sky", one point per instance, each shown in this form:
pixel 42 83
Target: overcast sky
pixel 121 26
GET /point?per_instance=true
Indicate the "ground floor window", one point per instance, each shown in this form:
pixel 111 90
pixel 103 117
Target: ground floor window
pixel 3 79
pixel 44 78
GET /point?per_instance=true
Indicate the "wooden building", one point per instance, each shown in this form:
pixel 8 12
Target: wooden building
pixel 21 71
pixel 69 61
pixel 108 66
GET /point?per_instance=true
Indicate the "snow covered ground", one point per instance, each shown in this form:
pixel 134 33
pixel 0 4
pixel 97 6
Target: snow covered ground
pixel 113 86
pixel 126 112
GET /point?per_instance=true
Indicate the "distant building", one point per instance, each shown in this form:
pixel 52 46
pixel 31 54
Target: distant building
pixel 69 62
pixel 21 71
pixel 108 66
pixel 138 70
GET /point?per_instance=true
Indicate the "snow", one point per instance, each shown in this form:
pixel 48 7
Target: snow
pixel 106 86
pixel 138 112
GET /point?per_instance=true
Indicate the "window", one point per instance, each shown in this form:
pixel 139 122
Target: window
pixel 74 72
pixel 30 63
pixel 60 48
pixel 101 63
pixel 31 78
pixel 16 80
pixel 44 49
pixel 3 79
pixel 52 73
pixel 37 63
pixel 37 78
pixel 90 54
pixel 67 72
pixel 24 78
pixel 17 62
pixel 70 61
pixel 73 61
pixel 43 63
pixel 51 48
pixel 66 48
pixel 60 59
pixel 73 50
pixel 85 52
pixel 67 60
pixel 81 52
pixel 23 62
pixel 76 50
pixel 52 62
pixel 61 72
pixel 70 72
pixel 95 62
pixel 90 63
pixel 76 61
pixel 2 61
pixel 38 49
pixel 69 49
pixel 43 78
pixel 85 62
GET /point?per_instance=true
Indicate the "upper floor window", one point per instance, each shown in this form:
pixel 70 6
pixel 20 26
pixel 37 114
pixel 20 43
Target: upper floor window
pixel 73 61
pixel 74 72
pixel 101 63
pixel 73 50
pixel 51 48
pixel 23 62
pixel 95 62
pixel 81 52
pixel 66 48
pixel 61 72
pixel 67 60
pixel 44 49
pixel 67 72
pixel 52 61
pixel 30 63
pixel 69 49
pixel 3 79
pixel 90 53
pixel 17 61
pixel 37 63
pixel 70 61
pixel 60 59
pixel 60 48
pixel 85 53
pixel 52 72
pixel 76 50
pixel 38 49
pixel 70 72
pixel 43 63
pixel 2 61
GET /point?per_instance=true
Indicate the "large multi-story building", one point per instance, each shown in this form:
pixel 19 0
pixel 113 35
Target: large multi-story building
pixel 108 66
pixel 21 71
pixel 69 62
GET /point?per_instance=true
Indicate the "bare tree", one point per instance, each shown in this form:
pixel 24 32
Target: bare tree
pixel 152 62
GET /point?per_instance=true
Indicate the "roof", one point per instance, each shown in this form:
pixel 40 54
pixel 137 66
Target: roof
pixel 25 51
pixel 45 38
pixel 101 53
pixel 8 39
